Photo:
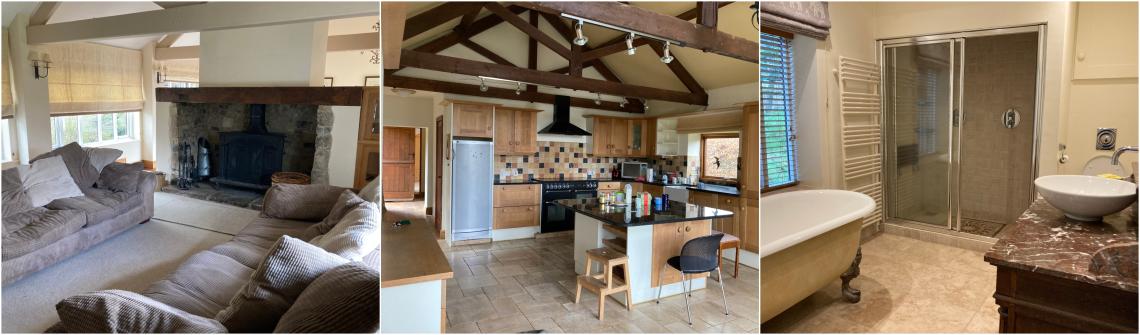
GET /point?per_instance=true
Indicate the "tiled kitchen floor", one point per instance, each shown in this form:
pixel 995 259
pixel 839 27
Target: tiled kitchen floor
pixel 521 285
pixel 909 286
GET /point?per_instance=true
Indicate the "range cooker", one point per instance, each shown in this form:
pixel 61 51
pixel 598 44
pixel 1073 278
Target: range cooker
pixel 557 218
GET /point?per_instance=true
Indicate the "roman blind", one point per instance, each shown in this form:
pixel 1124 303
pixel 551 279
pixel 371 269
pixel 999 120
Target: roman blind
pixel 89 78
pixel 185 70
pixel 8 105
pixel 777 113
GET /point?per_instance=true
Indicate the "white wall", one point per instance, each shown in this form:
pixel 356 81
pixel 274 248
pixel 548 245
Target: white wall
pixel 342 156
pixel 163 132
pixel 281 55
pixel 348 68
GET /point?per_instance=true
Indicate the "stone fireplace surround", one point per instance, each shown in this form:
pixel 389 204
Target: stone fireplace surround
pixel 307 130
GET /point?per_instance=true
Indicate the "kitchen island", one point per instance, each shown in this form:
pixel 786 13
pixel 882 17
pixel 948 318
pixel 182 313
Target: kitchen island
pixel 648 237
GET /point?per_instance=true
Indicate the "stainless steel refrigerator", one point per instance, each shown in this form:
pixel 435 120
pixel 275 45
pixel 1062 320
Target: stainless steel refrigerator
pixel 471 189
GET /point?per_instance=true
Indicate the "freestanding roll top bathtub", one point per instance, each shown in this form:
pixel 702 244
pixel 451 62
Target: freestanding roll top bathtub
pixel 807 239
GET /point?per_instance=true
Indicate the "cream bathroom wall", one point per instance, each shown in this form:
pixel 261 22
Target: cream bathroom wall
pixel 901 19
pixel 1104 85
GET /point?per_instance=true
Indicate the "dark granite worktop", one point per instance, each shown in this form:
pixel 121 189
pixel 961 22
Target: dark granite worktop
pixel 676 211
pixel 725 190
pixel 1044 241
pixel 516 182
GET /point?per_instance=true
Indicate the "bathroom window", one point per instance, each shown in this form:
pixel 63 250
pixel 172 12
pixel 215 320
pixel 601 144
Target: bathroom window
pixel 777 112
pixel 720 157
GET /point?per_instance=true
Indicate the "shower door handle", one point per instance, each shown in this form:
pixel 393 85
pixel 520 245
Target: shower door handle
pixel 1011 118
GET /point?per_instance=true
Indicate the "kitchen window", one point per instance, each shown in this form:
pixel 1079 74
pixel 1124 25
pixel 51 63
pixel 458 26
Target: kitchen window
pixel 93 129
pixel 720 157
pixel 778 163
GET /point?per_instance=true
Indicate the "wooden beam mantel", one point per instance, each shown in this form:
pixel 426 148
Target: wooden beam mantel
pixel 500 93
pixel 203 17
pixel 448 64
pixel 324 96
pixel 688 34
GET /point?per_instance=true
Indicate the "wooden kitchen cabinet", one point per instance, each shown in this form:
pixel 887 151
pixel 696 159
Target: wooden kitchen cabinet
pixel 749 224
pixel 473 119
pixel 619 140
pixel 515 131
pixel 668 238
pixel 609 186
pixel 370 115
pixel 516 206
pixel 601 137
pixel 749 147
pixel 655 190
pixel 729 225
pixel 703 198
pixel 637 134
pixel 623 137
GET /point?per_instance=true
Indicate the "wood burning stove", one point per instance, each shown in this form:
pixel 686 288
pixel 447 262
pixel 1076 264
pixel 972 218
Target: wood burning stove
pixel 249 158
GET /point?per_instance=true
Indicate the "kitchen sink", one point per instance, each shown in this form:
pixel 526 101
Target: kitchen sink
pixel 1086 198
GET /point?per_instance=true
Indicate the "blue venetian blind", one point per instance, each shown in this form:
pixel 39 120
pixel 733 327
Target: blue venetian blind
pixel 777 113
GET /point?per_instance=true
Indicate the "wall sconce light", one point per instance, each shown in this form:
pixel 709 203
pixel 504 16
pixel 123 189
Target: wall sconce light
pixel 41 65
pixel 160 75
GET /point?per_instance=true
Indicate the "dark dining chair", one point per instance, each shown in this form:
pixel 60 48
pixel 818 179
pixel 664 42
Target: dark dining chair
pixel 698 255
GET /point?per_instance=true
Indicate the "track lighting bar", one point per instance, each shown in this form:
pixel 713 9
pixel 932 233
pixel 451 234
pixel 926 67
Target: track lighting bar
pixel 518 89
pixel 607 25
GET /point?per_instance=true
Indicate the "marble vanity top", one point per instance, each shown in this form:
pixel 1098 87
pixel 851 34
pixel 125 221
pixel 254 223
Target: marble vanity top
pixel 625 217
pixel 1044 241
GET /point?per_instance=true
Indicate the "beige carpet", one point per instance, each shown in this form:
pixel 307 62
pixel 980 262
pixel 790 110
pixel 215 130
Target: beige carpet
pixel 131 261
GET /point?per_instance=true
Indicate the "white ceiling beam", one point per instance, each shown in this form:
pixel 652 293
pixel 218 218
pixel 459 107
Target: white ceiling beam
pixel 176 4
pixel 168 40
pixel 43 13
pixel 350 42
pixel 203 17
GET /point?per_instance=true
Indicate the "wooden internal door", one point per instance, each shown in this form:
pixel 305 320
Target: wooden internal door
pixel 399 158
pixel 438 167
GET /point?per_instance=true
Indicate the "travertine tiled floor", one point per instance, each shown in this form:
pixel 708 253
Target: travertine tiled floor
pixel 528 284
pixel 909 286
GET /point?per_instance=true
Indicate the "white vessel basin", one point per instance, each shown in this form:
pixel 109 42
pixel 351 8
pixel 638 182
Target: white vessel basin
pixel 1086 198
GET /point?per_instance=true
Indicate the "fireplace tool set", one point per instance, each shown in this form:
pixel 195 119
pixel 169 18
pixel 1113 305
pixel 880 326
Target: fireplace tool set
pixel 193 168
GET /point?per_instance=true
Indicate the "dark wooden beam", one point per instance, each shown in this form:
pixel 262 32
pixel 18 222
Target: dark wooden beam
pixel 332 96
pixel 436 16
pixel 530 30
pixel 469 17
pixel 680 71
pixel 618 43
pixel 532 50
pixel 708 13
pixel 500 93
pixel 567 32
pixel 422 60
pixel 479 49
pixel 450 39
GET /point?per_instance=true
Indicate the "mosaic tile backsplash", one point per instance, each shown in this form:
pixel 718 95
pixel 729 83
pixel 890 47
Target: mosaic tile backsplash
pixel 570 160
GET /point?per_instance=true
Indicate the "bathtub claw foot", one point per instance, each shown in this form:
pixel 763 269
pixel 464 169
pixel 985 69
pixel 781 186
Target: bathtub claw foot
pixel 851 294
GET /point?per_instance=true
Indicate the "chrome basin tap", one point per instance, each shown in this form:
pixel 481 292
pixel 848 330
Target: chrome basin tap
pixel 1116 155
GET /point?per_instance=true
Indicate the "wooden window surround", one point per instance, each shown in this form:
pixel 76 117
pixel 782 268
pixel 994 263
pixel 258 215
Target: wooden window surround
pixel 714 179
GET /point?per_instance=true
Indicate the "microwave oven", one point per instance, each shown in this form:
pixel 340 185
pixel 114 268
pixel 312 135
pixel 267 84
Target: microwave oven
pixel 633 170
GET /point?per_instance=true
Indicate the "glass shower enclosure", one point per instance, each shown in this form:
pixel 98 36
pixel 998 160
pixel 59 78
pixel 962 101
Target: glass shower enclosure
pixel 960 121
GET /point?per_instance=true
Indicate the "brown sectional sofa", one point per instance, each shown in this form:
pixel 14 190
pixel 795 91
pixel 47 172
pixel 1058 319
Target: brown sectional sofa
pixel 40 237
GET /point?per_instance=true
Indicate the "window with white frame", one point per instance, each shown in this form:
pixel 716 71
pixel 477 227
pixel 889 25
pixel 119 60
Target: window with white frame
pixel 93 129
pixel 178 84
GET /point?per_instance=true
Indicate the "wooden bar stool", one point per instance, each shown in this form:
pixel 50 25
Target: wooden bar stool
pixel 728 242
pixel 604 283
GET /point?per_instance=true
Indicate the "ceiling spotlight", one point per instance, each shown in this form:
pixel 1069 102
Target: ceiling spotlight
pixel 622 103
pixel 646 108
pixel 579 39
pixel 598 100
pixel 518 88
pixel 667 58
pixel 482 85
pixel 629 49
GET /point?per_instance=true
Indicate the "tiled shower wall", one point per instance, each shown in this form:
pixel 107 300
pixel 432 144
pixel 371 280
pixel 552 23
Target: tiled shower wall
pixel 570 160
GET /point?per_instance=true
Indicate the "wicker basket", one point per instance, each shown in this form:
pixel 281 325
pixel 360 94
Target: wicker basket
pixel 289 178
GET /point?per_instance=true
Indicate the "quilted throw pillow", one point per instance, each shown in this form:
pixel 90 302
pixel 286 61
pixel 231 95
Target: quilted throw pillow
pixel 100 157
pixel 288 267
pixel 46 180
pixel 15 199
pixel 116 311
pixel 345 299
pixel 299 202
pixel 120 177
pixel 345 202
pixel 79 165
pixel 356 235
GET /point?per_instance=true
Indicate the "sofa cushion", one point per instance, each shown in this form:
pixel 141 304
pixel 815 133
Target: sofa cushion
pixel 371 191
pixel 100 157
pixel 38 227
pixel 46 180
pixel 288 267
pixel 264 232
pixel 117 311
pixel 345 299
pixel 299 202
pixel 345 202
pixel 357 233
pixel 79 165
pixel 120 177
pixel 14 198
pixel 243 252
pixel 99 205
pixel 203 285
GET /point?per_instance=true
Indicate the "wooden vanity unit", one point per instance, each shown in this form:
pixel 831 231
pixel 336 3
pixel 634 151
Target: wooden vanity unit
pixel 1056 275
